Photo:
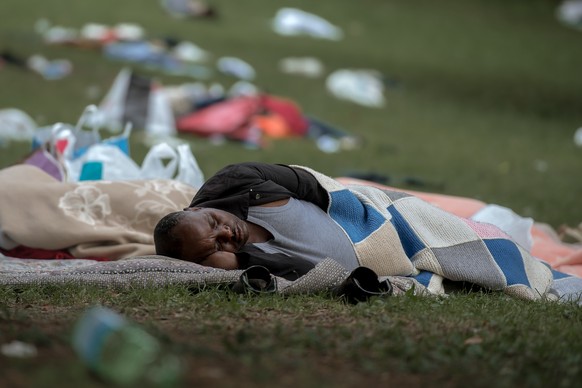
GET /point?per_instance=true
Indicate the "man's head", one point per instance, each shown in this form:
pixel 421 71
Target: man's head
pixel 205 236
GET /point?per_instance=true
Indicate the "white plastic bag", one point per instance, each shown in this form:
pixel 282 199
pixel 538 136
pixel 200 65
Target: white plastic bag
pixel 109 162
pixel 188 170
pixel 160 162
pixel 102 162
pixel 363 87
pixel 165 162
pixel 16 125
pixel 516 226
pixel 292 21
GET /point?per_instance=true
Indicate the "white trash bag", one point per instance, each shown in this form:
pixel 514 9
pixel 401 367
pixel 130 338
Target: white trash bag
pixel 293 21
pixel 514 225
pixel 108 162
pixel 363 87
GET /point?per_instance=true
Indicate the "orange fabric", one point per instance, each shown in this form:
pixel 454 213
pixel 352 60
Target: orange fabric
pixel 546 245
pixel 272 125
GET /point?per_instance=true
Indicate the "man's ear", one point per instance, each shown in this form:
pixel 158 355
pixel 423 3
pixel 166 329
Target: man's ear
pixel 192 209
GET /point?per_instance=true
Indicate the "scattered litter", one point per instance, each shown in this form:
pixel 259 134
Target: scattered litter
pixel 50 70
pixel 363 87
pixel 121 352
pixel 138 100
pixel 216 91
pixel 328 144
pixel 236 67
pixel 96 32
pixel 16 125
pixel 519 228
pixel 292 22
pixel 102 33
pixel 243 88
pixel 187 8
pixel 18 349
pixel 71 153
pixel 189 52
pixel 570 13
pixel 578 137
pixel 306 66
pixel 59 34
pixel 126 42
pixel 129 31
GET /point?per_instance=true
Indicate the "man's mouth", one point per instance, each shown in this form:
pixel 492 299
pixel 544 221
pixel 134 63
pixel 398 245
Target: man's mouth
pixel 236 234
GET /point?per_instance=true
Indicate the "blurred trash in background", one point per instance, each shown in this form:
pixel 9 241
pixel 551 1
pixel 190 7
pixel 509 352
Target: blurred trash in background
pixel 50 69
pixel 363 87
pixel 236 67
pixel 330 139
pixel 191 9
pixel 15 125
pixel 293 22
pixel 570 13
pixel 305 66
pixel 121 351
pixel 578 137
pixel 139 100
pixel 127 42
pixel 18 349
pixel 72 153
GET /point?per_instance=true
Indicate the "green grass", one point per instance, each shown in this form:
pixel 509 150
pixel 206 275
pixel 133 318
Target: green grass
pixel 488 339
pixel 480 93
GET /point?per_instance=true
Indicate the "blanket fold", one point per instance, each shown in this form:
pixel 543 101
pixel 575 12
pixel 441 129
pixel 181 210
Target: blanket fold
pixel 91 219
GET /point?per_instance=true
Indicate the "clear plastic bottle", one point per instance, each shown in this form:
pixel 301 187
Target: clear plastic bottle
pixel 121 351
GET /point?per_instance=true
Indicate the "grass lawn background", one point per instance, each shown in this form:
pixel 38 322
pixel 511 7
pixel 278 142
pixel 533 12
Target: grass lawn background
pixel 483 95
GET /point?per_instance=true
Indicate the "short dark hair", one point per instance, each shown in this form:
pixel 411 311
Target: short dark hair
pixel 167 242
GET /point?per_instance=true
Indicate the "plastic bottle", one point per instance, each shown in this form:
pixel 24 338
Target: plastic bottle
pixel 121 351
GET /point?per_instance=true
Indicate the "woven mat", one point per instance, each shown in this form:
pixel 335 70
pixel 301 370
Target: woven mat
pixel 156 271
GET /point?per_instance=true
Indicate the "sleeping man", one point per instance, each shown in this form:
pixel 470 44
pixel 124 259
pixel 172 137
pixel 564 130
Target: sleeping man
pixel 289 218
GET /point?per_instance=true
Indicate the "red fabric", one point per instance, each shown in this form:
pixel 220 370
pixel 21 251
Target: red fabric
pixel 289 111
pixel 223 118
pixel 23 252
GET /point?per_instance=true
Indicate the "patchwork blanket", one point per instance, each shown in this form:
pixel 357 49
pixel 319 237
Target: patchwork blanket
pixel 398 234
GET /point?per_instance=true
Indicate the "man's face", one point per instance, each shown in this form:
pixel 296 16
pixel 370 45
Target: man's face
pixel 211 237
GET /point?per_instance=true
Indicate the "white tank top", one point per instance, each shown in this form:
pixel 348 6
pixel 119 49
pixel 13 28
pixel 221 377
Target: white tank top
pixel 302 229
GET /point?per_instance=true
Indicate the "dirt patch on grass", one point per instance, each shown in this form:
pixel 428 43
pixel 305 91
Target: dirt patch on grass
pixel 254 348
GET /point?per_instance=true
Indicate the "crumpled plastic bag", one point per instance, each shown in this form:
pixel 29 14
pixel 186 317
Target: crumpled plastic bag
pixel 236 67
pixel 292 21
pixel 16 125
pixel 514 225
pixel 109 162
pixel 362 87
